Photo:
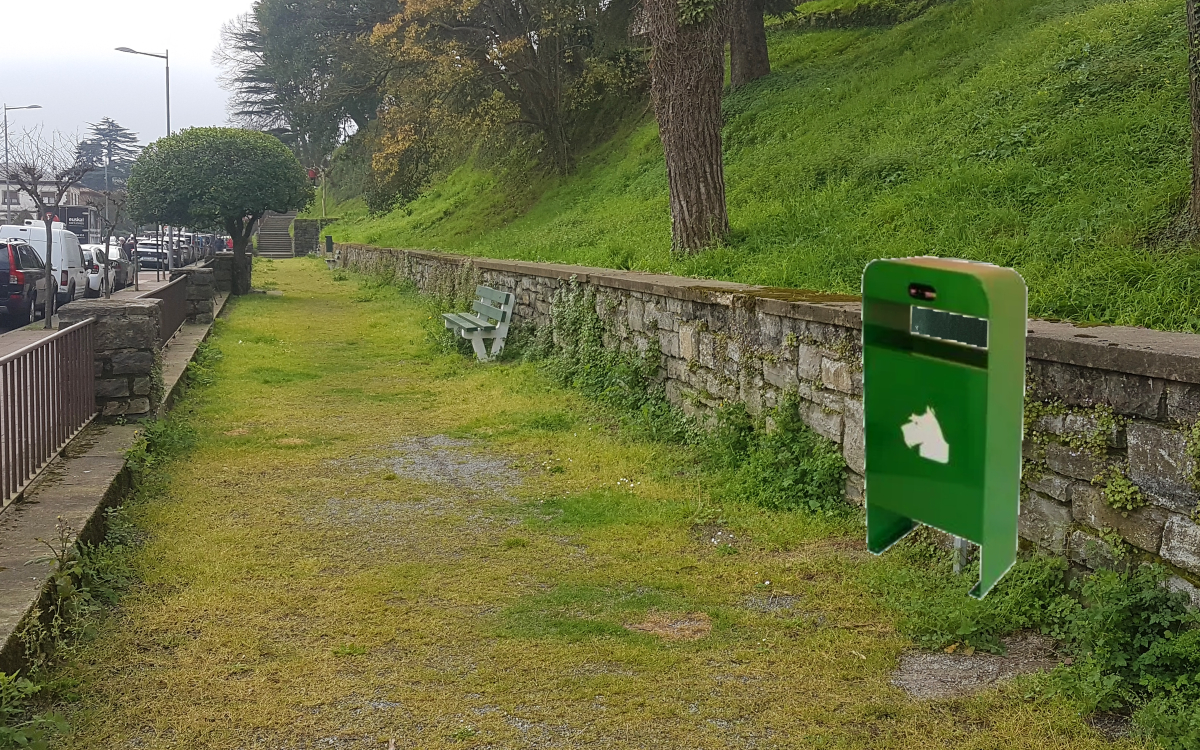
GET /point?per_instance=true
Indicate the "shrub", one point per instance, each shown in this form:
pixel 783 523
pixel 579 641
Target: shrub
pixel 785 466
pixel 936 611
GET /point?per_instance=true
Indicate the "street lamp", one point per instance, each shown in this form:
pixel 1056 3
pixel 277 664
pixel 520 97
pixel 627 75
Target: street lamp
pixel 166 56
pixel 7 187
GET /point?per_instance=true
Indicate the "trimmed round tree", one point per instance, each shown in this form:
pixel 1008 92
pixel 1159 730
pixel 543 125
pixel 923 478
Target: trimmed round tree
pixel 217 178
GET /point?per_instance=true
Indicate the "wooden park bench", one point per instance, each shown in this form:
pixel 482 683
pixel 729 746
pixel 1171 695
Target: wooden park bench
pixel 488 321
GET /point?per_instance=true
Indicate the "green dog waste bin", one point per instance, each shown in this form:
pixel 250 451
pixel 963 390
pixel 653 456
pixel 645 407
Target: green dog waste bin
pixel 943 395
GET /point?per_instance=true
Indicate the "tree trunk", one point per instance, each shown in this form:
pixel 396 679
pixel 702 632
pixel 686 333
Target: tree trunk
pixel 687 72
pixel 51 297
pixel 1193 29
pixel 241 232
pixel 748 60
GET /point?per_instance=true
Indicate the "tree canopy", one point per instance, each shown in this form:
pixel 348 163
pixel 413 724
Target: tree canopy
pixel 108 143
pixel 217 178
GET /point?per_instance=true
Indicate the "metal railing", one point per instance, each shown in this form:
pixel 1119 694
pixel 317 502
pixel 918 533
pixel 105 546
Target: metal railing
pixel 47 395
pixel 174 312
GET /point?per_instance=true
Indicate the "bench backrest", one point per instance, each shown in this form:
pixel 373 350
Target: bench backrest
pixel 493 304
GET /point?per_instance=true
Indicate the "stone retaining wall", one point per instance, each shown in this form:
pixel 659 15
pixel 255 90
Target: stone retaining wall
pixel 222 266
pixel 306 235
pixel 126 340
pixel 201 293
pixel 1110 411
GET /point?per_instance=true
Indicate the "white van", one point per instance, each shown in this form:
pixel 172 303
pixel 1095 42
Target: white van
pixel 69 270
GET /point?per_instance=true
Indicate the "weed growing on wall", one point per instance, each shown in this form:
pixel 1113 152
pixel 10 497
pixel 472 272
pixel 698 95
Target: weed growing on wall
pixel 777 461
pixel 573 353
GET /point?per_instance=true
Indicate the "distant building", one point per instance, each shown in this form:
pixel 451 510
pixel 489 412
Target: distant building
pixel 16 207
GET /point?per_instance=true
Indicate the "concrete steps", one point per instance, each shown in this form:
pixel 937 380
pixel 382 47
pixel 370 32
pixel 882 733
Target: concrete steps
pixel 274 241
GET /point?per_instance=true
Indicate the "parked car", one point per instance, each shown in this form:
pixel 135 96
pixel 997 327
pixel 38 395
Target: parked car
pixel 92 258
pixel 67 264
pixel 151 255
pixel 118 257
pixel 120 268
pixel 22 281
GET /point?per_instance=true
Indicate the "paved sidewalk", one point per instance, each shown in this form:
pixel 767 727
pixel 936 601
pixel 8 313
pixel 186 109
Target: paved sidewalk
pixel 89 476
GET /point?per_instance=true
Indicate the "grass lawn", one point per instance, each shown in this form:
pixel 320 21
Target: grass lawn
pixel 1045 135
pixel 373 540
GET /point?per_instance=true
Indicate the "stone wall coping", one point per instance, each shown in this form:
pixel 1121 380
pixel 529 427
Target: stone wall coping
pixel 1168 355
pixel 81 309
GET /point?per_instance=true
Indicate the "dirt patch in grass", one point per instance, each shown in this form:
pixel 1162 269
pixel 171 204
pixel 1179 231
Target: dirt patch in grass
pixel 931 676
pixel 690 627
pixel 448 461
pixel 773 604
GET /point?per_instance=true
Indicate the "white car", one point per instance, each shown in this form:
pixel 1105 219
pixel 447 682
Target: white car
pixel 92 257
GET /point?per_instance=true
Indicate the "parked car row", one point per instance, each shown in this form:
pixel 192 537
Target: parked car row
pixel 119 268
pixel 66 265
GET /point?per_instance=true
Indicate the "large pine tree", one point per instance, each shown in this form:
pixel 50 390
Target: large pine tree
pixel 112 146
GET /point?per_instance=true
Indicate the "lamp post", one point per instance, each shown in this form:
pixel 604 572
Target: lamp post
pixel 7 187
pixel 166 57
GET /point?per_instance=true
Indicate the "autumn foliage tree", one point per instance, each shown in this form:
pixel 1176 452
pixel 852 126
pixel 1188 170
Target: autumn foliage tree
pixel 217 178
pixel 546 59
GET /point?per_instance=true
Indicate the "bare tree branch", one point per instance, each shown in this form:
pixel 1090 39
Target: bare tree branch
pixel 47 160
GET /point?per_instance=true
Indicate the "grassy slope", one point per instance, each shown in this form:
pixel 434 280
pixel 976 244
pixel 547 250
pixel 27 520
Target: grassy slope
pixel 296 593
pixel 1047 135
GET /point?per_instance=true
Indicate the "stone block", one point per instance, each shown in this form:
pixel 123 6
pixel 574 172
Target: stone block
pixel 635 315
pixel 855 489
pixel 131 362
pixel 1127 394
pixel 1050 484
pixel 141 386
pixel 854 439
pixel 126 333
pixel 1181 543
pixel 1044 522
pixel 1091 551
pixel 114 408
pixel 831 400
pixel 770 331
pixel 781 374
pixel 1051 424
pixel 1178 585
pixel 668 342
pixel 824 422
pixel 689 342
pixel 1159 462
pixel 1183 402
pixel 1072 462
pixel 808 362
pixel 837 375
pixel 112 388
pixel 708 356
pixel 1143 528
pixel 138 406
pixel 1087 425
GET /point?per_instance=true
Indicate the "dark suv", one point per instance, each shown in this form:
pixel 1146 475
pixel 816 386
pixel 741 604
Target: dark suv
pixel 22 281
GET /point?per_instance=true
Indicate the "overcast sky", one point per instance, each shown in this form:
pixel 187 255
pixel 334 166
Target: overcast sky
pixel 79 78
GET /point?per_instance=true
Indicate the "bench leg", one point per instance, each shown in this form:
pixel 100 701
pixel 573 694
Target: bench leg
pixel 480 348
pixel 498 341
